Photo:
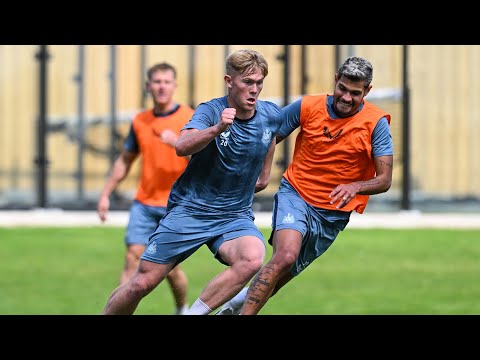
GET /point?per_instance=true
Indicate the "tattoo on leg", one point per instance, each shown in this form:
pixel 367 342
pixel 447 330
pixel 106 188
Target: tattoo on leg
pixel 261 285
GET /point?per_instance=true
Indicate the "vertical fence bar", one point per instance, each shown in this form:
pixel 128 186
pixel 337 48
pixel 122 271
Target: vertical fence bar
pixel 405 134
pixel 113 103
pixel 80 79
pixel 41 160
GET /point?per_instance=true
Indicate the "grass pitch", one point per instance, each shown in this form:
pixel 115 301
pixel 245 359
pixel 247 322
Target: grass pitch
pixel 72 271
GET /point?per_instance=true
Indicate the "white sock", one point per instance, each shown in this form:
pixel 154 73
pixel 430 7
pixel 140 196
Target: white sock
pixel 182 310
pixel 199 308
pixel 238 300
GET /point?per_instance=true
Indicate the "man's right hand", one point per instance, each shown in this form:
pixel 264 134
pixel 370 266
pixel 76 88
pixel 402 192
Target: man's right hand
pixel 228 114
pixel 102 208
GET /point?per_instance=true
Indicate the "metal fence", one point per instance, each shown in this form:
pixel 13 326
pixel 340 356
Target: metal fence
pixel 65 109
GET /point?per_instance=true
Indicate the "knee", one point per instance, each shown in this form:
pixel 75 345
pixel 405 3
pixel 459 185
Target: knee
pixel 174 274
pixel 252 264
pixel 133 255
pixel 285 260
pixel 255 265
pixel 140 285
pixel 177 275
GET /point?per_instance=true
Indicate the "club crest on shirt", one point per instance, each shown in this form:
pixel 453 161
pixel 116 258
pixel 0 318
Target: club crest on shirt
pixel 224 137
pixel 267 136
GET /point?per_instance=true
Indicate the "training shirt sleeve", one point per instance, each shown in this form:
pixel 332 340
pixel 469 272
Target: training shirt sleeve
pixel 382 143
pixel 291 118
pixel 130 143
pixel 203 117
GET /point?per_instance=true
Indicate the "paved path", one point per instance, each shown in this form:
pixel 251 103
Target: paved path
pixel 402 219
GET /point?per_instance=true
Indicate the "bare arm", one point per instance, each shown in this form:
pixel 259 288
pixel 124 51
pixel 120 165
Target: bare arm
pixel 192 141
pixel 120 170
pixel 264 178
pixel 383 179
pixel 170 138
pixel 376 185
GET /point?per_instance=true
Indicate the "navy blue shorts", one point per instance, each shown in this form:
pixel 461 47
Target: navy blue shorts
pixel 290 211
pixel 181 232
pixel 142 222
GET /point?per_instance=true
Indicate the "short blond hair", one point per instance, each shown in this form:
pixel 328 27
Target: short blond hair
pixel 246 61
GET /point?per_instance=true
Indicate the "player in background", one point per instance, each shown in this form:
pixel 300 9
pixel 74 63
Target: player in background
pixel 153 134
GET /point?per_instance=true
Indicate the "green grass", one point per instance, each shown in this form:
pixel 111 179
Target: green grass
pixel 72 271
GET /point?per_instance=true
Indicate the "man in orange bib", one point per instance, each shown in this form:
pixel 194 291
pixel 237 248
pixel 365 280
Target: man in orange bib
pixel 153 134
pixel 343 154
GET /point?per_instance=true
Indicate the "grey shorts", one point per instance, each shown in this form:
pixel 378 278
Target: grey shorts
pixel 181 232
pixel 142 222
pixel 318 227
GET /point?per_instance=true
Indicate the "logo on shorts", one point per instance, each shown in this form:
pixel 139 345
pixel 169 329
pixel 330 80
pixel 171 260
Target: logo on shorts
pixel 288 219
pixel 152 248
pixel 302 266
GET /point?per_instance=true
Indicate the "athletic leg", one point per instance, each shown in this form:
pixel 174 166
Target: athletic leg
pixel 143 221
pixel 125 298
pixel 286 247
pixel 132 259
pixel 245 256
pixel 178 281
pixel 234 306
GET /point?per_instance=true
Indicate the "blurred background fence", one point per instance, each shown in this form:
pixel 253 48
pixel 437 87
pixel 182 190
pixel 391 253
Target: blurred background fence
pixel 65 110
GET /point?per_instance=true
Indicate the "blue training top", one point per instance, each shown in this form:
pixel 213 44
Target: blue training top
pixel 222 176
